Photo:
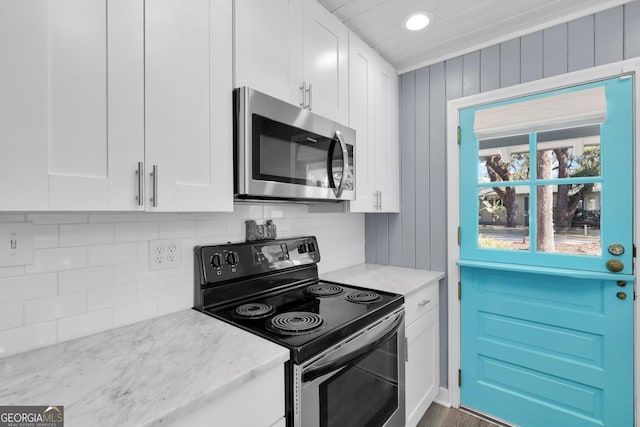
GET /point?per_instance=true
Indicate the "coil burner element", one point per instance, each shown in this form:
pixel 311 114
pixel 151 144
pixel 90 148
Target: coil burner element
pixel 295 323
pixel 324 290
pixel 363 297
pixel 253 310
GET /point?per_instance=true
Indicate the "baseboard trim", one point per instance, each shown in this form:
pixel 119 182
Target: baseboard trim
pixel 443 397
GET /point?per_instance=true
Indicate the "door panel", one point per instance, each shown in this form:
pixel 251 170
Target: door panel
pixel 542 350
pixel 546 327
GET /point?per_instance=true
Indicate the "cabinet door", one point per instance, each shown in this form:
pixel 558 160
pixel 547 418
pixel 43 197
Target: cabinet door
pixel 23 105
pixel 188 105
pixel 94 103
pixel 361 118
pixel 423 366
pixel 268 47
pixel 386 137
pixel 326 62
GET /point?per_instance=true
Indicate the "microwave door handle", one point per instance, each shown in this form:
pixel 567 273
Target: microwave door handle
pixel 345 164
pixel 342 361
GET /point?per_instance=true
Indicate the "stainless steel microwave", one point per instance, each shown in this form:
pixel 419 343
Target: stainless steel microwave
pixel 285 152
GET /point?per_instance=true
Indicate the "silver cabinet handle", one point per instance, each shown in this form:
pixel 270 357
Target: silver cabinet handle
pixel 309 91
pixel 154 180
pixel 140 177
pixel 424 302
pixel 303 89
pixel 406 349
pixel 378 204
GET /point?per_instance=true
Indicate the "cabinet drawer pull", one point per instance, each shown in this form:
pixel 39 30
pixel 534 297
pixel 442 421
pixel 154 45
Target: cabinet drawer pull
pixel 424 302
pixel 140 177
pixel 154 180
pixel 309 91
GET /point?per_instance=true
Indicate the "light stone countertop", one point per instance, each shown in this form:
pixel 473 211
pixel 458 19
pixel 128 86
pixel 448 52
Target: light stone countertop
pixel 400 280
pixel 146 374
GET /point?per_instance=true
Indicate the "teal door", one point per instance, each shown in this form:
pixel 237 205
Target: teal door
pixel 546 257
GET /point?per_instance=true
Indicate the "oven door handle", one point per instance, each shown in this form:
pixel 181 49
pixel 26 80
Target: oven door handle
pixel 341 361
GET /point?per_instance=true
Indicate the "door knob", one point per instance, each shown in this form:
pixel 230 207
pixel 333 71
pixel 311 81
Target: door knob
pixel 614 265
pixel 621 295
pixel 616 249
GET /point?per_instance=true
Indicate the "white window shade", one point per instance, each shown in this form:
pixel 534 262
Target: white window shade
pixel 567 110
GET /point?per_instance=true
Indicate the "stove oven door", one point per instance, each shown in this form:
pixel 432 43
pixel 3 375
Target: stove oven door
pixel 357 383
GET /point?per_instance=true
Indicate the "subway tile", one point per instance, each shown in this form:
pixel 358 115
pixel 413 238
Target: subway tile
pixel 12 271
pixel 211 228
pixel 195 216
pixel 133 272
pixel 45 236
pixel 161 286
pixel 109 217
pixel 110 297
pixel 12 217
pixel 85 324
pixel 135 312
pixel 175 302
pixel 28 337
pixel 143 251
pixel 118 253
pixel 245 211
pixel 58 259
pixel 45 309
pixel 11 315
pixel 58 218
pixel 22 288
pixel 273 212
pixel 86 234
pixel 85 279
pixel 177 229
pixel 136 231
pixel 156 216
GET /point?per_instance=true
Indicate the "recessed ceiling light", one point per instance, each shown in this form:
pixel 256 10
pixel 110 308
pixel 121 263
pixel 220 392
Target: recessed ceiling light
pixel 417 21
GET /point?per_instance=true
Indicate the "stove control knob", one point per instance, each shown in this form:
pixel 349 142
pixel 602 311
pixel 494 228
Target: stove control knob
pixel 216 261
pixel 302 248
pixel 232 258
pixel 311 247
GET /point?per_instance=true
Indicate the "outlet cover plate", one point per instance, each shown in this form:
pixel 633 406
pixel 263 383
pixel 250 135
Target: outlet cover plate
pixel 16 243
pixel 165 254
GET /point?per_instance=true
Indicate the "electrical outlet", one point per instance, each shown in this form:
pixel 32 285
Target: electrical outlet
pixel 16 243
pixel 164 254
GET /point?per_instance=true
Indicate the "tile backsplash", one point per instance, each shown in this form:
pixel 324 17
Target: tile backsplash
pixel 91 270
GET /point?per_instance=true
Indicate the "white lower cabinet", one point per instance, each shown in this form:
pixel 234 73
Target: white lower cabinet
pixel 258 403
pixel 423 354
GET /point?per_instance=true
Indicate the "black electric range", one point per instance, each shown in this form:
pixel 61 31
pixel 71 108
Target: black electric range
pixel 272 289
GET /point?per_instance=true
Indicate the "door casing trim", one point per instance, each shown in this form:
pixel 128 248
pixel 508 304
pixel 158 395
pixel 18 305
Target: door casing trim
pixel 451 395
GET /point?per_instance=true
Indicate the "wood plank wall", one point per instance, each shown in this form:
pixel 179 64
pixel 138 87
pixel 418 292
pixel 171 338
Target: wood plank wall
pixel 416 237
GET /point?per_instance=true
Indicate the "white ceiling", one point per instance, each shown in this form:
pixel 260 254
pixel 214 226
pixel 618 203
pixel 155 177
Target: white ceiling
pixel 459 26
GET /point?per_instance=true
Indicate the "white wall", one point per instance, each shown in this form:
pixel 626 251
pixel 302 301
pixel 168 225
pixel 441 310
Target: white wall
pixel 91 270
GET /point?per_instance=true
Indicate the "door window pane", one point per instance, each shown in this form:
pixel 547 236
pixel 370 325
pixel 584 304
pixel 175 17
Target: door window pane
pixel 504 159
pixel 568 219
pixel 503 217
pixel 569 153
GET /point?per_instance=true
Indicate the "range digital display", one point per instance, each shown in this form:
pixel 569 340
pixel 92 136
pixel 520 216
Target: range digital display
pixel 270 253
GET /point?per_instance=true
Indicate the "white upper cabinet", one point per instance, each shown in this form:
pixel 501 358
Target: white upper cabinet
pixel 373 113
pixel 71 110
pixel 326 69
pixel 188 141
pixel 295 51
pixel 268 43
pixel 73 120
pixel 23 105
pixel 95 103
